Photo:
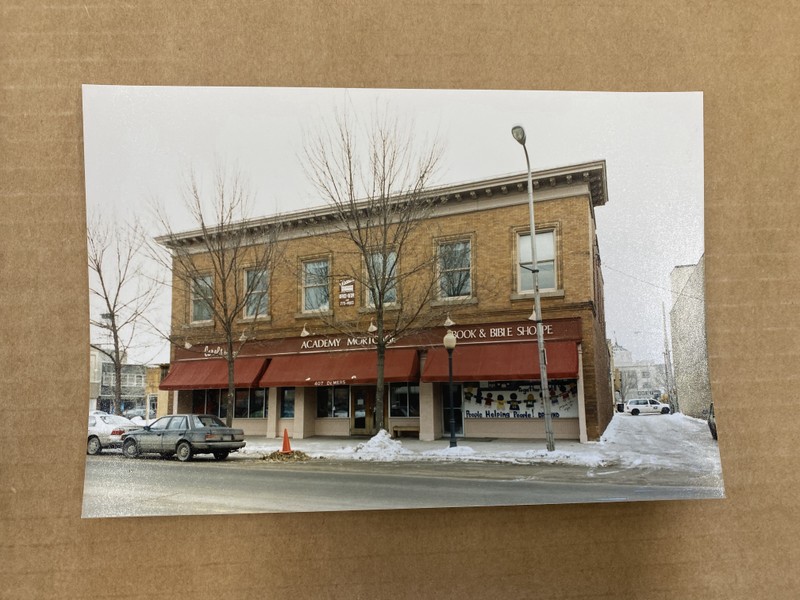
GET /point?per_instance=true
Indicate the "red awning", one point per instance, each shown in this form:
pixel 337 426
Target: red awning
pixel 502 362
pixel 212 373
pixel 340 368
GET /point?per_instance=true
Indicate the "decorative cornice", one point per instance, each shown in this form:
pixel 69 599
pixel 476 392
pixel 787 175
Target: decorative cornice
pixel 591 175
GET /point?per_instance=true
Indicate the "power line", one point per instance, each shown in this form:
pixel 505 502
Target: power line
pixel 651 284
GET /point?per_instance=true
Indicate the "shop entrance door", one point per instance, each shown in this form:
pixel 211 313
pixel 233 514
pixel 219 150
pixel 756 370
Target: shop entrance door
pixel 363 410
pixel 458 415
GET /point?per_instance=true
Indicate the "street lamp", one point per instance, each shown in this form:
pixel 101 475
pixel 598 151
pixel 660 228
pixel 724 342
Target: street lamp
pixel 519 134
pixel 450 344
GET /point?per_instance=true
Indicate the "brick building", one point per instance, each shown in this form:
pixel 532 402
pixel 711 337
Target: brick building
pixel 308 362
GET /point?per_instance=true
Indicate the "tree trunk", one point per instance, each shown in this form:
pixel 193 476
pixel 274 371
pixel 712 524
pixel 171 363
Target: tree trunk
pixel 231 385
pixel 117 404
pixel 380 346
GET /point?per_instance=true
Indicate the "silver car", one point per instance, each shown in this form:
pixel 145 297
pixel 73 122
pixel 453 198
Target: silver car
pixel 106 431
pixel 184 436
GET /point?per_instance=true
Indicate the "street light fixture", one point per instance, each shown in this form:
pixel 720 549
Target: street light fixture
pixel 450 345
pixel 519 134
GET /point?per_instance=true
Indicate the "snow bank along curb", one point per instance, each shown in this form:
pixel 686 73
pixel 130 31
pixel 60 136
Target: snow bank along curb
pixel 657 441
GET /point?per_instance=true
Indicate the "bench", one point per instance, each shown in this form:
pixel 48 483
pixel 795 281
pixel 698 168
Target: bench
pixel 396 429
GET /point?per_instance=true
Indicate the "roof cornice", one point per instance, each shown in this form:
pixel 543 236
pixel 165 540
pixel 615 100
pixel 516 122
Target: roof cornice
pixel 591 174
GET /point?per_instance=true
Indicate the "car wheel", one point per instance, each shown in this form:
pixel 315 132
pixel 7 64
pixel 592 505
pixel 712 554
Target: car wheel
pixel 635 412
pixel 130 449
pixel 93 446
pixel 221 455
pixel 184 451
pixel 665 411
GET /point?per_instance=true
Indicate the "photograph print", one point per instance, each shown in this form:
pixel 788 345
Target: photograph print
pixel 313 299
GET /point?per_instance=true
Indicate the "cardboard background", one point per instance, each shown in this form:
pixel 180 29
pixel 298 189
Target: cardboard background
pixel 745 60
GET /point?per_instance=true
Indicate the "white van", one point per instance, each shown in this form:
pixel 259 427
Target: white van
pixel 644 406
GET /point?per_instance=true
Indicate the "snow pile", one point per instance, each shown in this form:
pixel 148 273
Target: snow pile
pixel 658 441
pixel 380 448
pixel 674 442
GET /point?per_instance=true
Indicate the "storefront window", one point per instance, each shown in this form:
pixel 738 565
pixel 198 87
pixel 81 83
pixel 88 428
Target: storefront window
pixel 404 400
pixel 199 402
pixel 241 405
pixel 333 401
pixel 287 403
pixel 249 403
pixel 519 399
pixel 258 403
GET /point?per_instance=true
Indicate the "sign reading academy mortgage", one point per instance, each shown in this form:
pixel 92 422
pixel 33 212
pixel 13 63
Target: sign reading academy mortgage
pixel 517 331
pixel 341 343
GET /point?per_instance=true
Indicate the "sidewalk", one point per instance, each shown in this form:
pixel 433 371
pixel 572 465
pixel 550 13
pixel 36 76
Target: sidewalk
pixel 653 442
pixel 382 447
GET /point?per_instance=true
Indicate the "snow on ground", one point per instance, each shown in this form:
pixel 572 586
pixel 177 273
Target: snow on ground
pixel 654 441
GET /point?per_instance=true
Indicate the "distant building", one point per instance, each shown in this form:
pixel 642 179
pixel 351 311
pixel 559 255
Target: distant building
pixel 133 387
pixel 689 346
pixel 96 360
pixel 637 379
pixel 158 400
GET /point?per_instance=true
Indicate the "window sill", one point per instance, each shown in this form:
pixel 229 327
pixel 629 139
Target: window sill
pixel 371 309
pixel 199 324
pixel 258 319
pixel 455 301
pixel 545 294
pixel 313 314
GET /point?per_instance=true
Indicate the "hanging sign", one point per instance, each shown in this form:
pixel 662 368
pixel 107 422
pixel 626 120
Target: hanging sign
pixel 347 292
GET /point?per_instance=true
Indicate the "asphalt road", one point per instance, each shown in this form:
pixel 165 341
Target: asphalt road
pixel 116 486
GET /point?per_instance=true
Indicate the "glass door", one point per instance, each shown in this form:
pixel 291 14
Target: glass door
pixel 458 414
pixel 363 410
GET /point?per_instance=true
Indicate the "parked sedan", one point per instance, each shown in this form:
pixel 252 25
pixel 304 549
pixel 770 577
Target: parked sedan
pixel 106 431
pixel 184 436
pixel 644 406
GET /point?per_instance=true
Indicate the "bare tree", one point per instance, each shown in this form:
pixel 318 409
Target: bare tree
pixel 629 383
pixel 121 293
pixel 223 266
pixel 378 194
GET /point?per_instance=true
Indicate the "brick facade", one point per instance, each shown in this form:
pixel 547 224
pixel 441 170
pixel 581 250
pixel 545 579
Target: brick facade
pixel 490 214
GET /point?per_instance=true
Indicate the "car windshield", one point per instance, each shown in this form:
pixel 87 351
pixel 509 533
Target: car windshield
pixel 207 421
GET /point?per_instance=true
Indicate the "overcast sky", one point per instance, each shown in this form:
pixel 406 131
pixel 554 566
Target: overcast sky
pixel 140 143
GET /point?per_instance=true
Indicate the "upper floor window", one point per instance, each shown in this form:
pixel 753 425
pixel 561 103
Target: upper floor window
pixel 316 293
pixel 382 268
pixel 455 269
pixel 202 297
pixel 257 294
pixel 127 379
pixel 545 260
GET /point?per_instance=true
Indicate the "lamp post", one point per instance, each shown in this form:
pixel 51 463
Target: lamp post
pixel 450 344
pixel 519 134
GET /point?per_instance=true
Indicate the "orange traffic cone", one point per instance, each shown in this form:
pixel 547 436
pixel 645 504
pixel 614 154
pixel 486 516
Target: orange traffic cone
pixel 286 449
